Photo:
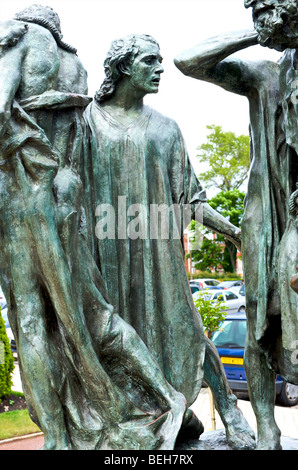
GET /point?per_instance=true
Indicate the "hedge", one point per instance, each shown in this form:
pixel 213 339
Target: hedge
pixel 219 277
pixel 6 361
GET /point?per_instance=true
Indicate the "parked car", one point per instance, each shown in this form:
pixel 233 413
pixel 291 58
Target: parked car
pixel 229 284
pixel 9 332
pixel 206 283
pixel 239 290
pixel 195 287
pixel 230 341
pixel 242 290
pixel 233 303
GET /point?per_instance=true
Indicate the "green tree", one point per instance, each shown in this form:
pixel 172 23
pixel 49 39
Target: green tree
pixel 230 204
pixel 6 361
pixel 228 159
pixel 208 255
pixel 211 312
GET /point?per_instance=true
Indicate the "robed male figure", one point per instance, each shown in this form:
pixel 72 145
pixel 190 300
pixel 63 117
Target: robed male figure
pixel 138 164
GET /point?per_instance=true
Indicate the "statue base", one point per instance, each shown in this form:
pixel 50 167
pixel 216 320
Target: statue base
pixel 216 440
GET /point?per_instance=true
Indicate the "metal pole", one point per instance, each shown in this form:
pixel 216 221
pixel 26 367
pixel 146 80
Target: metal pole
pixel 212 406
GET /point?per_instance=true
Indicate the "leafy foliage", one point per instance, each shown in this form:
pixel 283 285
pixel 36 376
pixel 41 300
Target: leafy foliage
pixel 213 275
pixel 211 312
pixel 209 255
pixel 6 361
pixel 230 204
pixel 215 253
pixel 228 158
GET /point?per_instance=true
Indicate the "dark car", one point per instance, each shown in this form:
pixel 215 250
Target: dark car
pixel 195 287
pixel 229 341
pixel 203 284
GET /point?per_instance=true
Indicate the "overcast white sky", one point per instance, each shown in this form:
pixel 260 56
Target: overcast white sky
pixel 91 25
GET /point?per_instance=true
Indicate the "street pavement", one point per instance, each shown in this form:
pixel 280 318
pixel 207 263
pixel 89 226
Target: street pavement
pixel 286 418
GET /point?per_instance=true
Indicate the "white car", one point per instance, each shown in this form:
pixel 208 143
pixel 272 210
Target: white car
pixel 231 284
pixel 205 283
pixel 235 289
pixel 234 303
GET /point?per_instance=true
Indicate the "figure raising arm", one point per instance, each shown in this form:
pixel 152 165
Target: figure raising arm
pixel 271 306
pixel 209 61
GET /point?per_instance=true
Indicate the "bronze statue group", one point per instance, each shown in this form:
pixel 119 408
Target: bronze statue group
pixel 112 351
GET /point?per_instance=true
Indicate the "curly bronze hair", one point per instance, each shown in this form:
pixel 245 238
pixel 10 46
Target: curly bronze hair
pixel 279 29
pixel 45 16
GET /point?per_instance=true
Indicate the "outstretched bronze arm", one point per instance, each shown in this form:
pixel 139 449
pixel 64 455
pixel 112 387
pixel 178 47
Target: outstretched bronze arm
pixel 210 61
pixel 196 62
pixel 219 224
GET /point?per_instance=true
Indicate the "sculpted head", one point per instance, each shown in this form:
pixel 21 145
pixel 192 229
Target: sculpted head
pixel 40 12
pixel 135 57
pixel 45 16
pixel 276 22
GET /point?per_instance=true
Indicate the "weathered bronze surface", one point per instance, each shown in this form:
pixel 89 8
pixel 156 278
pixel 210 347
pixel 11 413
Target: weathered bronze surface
pixel 89 381
pixel 94 379
pixel 135 159
pixel 269 228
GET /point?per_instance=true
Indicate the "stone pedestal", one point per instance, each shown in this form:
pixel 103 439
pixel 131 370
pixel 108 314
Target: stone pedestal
pixel 216 440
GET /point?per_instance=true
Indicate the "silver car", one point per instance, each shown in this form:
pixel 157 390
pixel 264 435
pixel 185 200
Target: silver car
pixel 206 283
pixel 234 303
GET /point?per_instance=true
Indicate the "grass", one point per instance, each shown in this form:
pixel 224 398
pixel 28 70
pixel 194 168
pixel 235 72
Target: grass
pixel 16 423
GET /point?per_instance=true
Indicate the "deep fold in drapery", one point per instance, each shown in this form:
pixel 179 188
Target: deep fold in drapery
pixel 58 306
pixel 146 164
pixel 273 178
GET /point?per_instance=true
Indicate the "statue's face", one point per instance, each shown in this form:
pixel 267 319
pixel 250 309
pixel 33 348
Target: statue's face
pixel 276 22
pixel 146 68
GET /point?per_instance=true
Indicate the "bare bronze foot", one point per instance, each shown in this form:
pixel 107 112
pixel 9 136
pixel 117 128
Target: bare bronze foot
pixel 191 428
pixel 239 434
pixel 269 438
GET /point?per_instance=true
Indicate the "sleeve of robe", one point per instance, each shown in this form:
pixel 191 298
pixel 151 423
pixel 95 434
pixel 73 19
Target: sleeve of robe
pixel 187 190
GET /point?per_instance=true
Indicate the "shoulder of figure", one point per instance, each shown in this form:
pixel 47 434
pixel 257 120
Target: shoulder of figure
pixel 11 32
pixel 162 119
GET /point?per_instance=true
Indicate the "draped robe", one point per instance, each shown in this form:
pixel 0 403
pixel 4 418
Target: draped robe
pixel 269 262
pixel 79 362
pixel 146 164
